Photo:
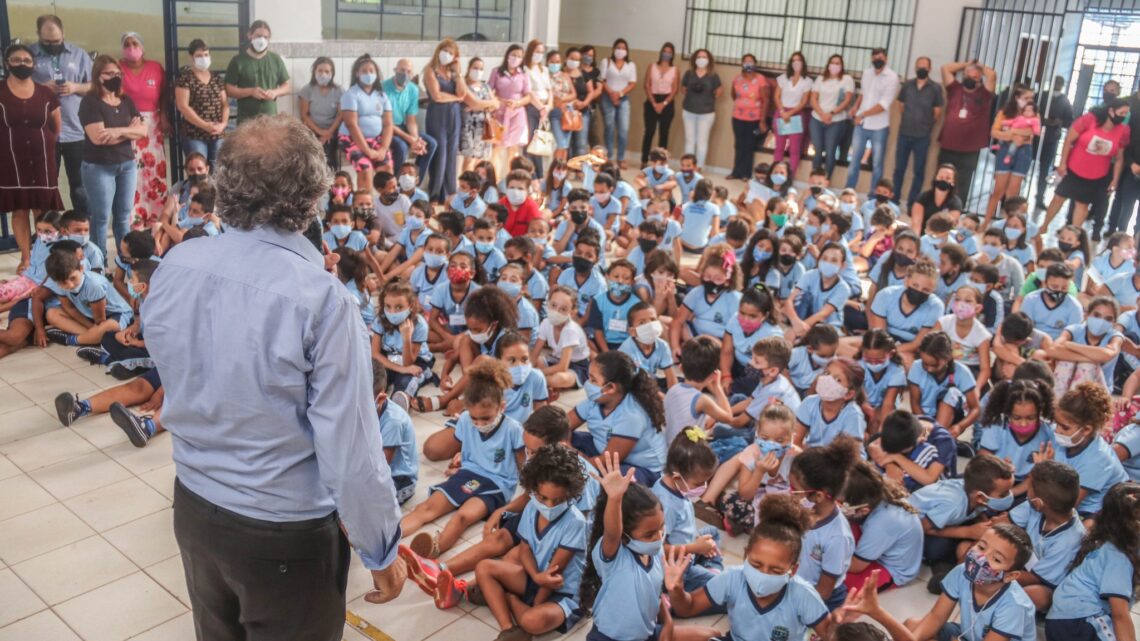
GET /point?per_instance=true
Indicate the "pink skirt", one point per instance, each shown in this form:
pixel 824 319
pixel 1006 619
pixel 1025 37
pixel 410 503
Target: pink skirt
pixel 516 131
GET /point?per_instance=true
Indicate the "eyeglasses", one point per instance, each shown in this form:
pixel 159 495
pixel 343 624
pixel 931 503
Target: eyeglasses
pixel 21 61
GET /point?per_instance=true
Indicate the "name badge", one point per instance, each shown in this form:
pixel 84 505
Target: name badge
pixel 457 320
pixel 617 325
pixel 962 113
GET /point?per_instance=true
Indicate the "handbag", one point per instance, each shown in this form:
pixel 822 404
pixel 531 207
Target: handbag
pixel 571 119
pixel 492 130
pixel 542 141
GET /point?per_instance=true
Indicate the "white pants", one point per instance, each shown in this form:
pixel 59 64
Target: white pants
pixel 697 129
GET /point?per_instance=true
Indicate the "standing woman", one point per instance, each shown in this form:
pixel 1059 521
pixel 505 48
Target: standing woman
pixel 31 124
pixel 662 82
pixel 1010 171
pixel 1092 158
pixel 320 108
pixel 445 87
pixel 702 87
pixel 831 96
pixel 793 93
pixel 619 77
pixel 562 92
pixel 366 121
pixel 586 91
pixel 750 95
pixel 512 87
pixel 144 82
pixel 478 102
pixel 111 123
pixel 200 96
pixel 593 74
pixel 541 101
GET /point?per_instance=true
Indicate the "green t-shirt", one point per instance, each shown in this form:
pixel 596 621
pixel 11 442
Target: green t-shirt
pixel 1031 285
pixel 247 72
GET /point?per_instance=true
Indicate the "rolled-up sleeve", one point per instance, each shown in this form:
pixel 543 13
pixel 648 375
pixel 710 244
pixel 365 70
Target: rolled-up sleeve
pixel 346 435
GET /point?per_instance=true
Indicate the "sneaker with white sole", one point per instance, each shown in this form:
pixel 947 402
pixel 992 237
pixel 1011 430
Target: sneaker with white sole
pixel 132 424
pixel 67 408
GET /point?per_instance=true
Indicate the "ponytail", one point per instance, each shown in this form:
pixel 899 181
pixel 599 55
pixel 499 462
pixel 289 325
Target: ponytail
pixel 618 368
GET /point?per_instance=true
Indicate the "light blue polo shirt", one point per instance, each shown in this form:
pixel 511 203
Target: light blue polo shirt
pixel 820 431
pixel 627 421
pixel 1083 593
pixel 491 455
pixel 827 549
pixel 888 305
pixel 811 286
pixel 1010 612
pixel 1099 469
pixel 944 503
pixel 711 318
pixel 1052 551
pixel 797 609
pixel 396 432
pixel 628 601
pixel 369 109
pixel 892 537
pixel 1052 320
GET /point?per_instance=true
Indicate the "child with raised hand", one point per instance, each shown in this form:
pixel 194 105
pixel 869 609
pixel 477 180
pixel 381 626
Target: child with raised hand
pixel 1093 600
pixel 992 605
pixel 887 530
pixel 766 597
pixel 398 435
pixel 701 397
pixel 490 455
pixel 1017 425
pixel 708 308
pixel 941 387
pixel 646 347
pixel 688 467
pixel 817 478
pixel 835 408
pixel 902 453
pixel 608 313
pixel 535 590
pixel 623 414
pixel 562 352
pixel 449 299
pixel 1079 417
pixel 755 319
pixel 625 566
pixel 400 340
pixel 825 292
pixel 884 376
pixel 1049 516
pixel 528 389
pixel 970 338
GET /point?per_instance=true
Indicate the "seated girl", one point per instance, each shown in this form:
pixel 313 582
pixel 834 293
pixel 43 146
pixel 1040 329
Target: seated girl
pixel 941 387
pixel 561 351
pixel 835 408
pixel 707 309
pixel 756 319
pixel 887 530
pixel 400 340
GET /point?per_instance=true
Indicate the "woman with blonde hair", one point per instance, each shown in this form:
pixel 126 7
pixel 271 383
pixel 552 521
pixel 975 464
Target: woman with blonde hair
pixel 446 90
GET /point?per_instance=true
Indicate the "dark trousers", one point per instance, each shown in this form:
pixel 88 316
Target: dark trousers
pixel 1050 139
pixel 72 154
pixel 423 161
pixel 117 352
pixel 332 154
pixel 252 580
pixel 939 549
pixel 745 133
pixel 1127 193
pixel 656 122
pixel 904 147
pixel 966 162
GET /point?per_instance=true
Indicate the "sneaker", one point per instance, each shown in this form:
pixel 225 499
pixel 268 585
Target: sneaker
pixel 938 571
pixel 423 572
pixel 67 408
pixel 965 449
pixel 425 545
pixel 132 424
pixel 93 355
pixel 449 591
pixel 402 400
pixel 123 373
pixel 475 595
pixel 57 336
pixel 708 513
pixel 514 633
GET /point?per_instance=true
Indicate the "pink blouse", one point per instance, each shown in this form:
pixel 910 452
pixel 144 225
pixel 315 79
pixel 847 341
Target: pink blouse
pixel 509 87
pixel 661 83
pixel 145 85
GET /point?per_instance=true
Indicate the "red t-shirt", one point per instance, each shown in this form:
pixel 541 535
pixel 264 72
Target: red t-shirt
pixel 518 220
pixel 1091 157
pixel 145 86
pixel 966 125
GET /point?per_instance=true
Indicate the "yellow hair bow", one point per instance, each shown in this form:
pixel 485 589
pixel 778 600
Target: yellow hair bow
pixel 696 434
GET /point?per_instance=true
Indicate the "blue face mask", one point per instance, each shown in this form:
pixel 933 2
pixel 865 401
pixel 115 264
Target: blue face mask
pixel 991 251
pixel 484 247
pixel 339 231
pixel 760 255
pixel 999 505
pixel 824 228
pixel 435 261
pixel 202 221
pixel 549 512
pixel 876 367
pixel 511 289
pixel 414 223
pixel 555 67
pixel 79 238
pixel 519 373
pixel 763 584
pixel 847 208
pixel 811 231
pixel 619 290
pixel 648 548
pixel 593 392
pixel 767 446
pixel 828 270
pixel 397 317
pixel 778 179
pixel 367 79
pixel 1098 326
pixel 1012 234
pixel 965 233
pixel 134 293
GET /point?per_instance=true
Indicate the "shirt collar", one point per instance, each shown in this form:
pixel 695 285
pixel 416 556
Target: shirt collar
pixel 292 241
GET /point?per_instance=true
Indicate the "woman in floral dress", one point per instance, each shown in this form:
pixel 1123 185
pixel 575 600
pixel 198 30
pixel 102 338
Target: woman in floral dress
pixel 476 103
pixel 144 81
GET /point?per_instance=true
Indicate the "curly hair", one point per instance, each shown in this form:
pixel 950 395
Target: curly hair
pixel 555 464
pixel 825 469
pixel 1006 393
pixel 487 379
pixel 492 305
pixel 398 287
pixel 782 520
pixel 271 171
pixel 1116 524
pixel 1088 403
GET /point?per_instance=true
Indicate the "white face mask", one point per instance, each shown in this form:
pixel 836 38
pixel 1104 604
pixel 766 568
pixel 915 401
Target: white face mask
pixel 702 63
pixel 1066 441
pixel 323 79
pixel 480 339
pixel 202 63
pixel 259 44
pixel 489 427
pixel 557 318
pixel 475 74
pixel 648 333
pixel 620 54
pixel 406 182
pixel 516 196
pixel 559 175
pixel 572 64
pixel 834 69
pixel 445 58
pixel 537 57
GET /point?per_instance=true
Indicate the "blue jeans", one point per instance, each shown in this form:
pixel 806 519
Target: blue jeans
pixel 400 153
pixel 826 138
pixel 208 148
pixel 616 116
pixel 561 138
pixel 878 140
pixel 906 145
pixel 110 196
pixel 580 140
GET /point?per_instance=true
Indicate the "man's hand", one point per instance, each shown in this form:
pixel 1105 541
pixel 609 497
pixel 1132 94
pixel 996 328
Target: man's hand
pixel 388 583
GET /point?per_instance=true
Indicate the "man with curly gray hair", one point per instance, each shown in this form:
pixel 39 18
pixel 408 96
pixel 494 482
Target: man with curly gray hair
pixel 265 363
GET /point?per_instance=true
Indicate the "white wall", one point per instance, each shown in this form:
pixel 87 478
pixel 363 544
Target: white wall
pixel 645 24
pixel 935 31
pixel 291 20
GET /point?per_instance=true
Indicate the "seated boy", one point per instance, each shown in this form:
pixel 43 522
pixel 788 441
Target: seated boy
pixel 135 246
pixel 987 279
pixel 1035 279
pixel 901 453
pixel 810 358
pixel 1049 516
pixel 646 347
pixel 702 394
pixel 1017 341
pixel 124 352
pixel 75 225
pixel 398 435
pixel 770 357
pixel 1052 308
pixel 522 250
pixel 90 307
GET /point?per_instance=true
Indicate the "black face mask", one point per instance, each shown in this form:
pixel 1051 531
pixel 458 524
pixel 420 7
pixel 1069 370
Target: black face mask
pixel 647 245
pixel 23 72
pixel 1056 297
pixel 578 217
pixel 881 198
pixel 712 289
pixel 922 74
pixel 113 84
pixel 878 63
pixel 582 265
pixel 902 260
pixel 944 185
pixel 1065 247
pixel 52 49
pixel 1116 120
pixel 915 297
pixel 787 259
pixel 388 199
pixel 969 84
pixel 816 190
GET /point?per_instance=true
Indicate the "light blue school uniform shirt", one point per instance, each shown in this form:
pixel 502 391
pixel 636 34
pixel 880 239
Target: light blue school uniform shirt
pixel 1031 227
pixel 1052 551
pixel 711 318
pixel 472 208
pixel 930 247
pixel 355 241
pixel 587 289
pixel 877 272
pixel 491 455
pixel 1009 613
pixel 672 228
pixel 1083 593
pixel 411 244
pixel 659 358
pixel 742 343
pixel 92 255
pixel 680 518
pixel 932 389
pixel 967 239
pixel 811 285
pixel 208 225
pixel 1024 255
pixel 602 212
pixel 451 309
pixel 364 300
pixel 1080 336
pixel 797 609
pixel 903 326
pixel 637 257
pixel 521 398
pixel 610 317
pixel 686 184
pixel 653 179
pixel 812 200
pixel 94 288
pixel 999 440
pixel 392 343
pixel 780 389
pixel 869 206
pixel 1125 288
pixel 1052 320
pixel 944 503
pixel 369 108
pixel 788 279
pixel 876 385
pixel 570 531
pixel 589 498
pixel 1099 469
pixel 827 548
pixel 630 596
pixel 820 431
pixel 628 421
pixel 1079 272
pixel 696 223
pixel 425 285
pixel 554 196
pixel 537 287
pixel 1103 265
pixel 892 537
pixel 397 432
pixel 567 227
pixel 464 246
pixel 727 211
pixel 492 262
pixel 771 280
pixel 1129 438
pixel 946 290
pixel 804 367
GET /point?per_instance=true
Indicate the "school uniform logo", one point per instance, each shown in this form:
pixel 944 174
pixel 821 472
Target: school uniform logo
pixel 524 400
pixel 817 552
pixel 471 487
pixel 500 455
pixel 780 633
pixel 718 318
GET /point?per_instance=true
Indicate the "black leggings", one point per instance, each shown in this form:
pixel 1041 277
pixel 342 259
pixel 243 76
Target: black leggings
pixel 656 121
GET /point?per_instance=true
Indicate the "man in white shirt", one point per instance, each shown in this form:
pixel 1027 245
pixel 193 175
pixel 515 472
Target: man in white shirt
pixel 872 117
